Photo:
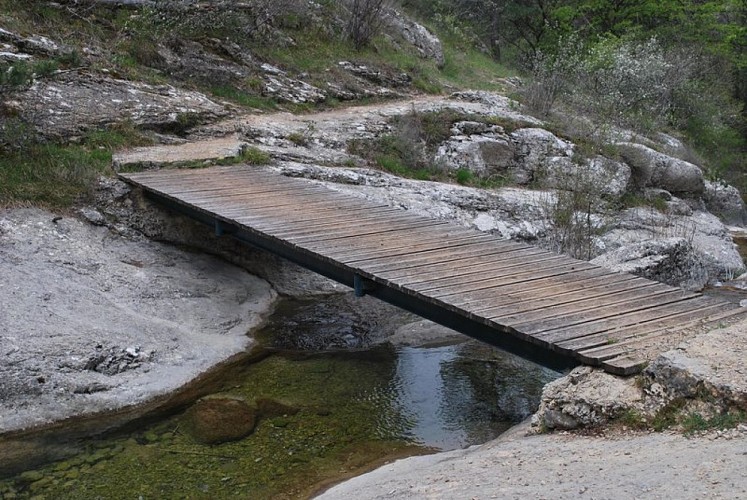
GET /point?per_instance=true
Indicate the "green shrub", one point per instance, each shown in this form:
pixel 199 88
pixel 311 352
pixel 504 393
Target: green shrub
pixel 464 176
pixel 254 156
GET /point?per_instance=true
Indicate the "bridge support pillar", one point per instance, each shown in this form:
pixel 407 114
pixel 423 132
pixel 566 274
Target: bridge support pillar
pixel 362 285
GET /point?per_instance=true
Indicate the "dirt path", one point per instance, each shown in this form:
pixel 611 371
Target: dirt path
pixel 324 135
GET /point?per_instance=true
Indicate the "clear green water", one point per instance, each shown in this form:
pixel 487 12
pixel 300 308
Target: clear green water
pixel 354 410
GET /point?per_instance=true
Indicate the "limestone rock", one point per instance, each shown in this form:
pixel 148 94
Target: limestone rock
pixel 475 128
pixel 480 155
pixel 653 169
pixel 286 89
pixel 73 104
pixel 482 102
pixel 218 420
pixel 712 253
pixel 375 75
pixel 711 365
pixel 669 260
pixel 726 202
pixel 585 397
pixel 188 60
pixel 533 148
pixel 427 44
pixel 598 175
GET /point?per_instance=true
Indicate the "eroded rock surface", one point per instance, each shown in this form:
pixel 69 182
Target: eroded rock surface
pixel 586 397
pixel 711 365
pixel 95 322
pixel 73 104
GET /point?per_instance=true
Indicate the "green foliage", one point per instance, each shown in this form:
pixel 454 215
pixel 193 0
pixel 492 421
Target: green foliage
pixel 694 422
pixel 633 419
pixel 464 176
pixel 298 139
pixel 58 175
pixel 254 156
pixel 244 98
pixel 15 75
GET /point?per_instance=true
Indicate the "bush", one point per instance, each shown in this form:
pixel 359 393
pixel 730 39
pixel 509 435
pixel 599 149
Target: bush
pixel 644 87
pixel 366 18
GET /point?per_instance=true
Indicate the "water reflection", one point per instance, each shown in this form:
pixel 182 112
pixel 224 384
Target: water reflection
pixel 459 395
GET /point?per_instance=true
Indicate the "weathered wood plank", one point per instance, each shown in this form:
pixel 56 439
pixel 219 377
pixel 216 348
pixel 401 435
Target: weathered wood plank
pixel 432 281
pixel 529 302
pixel 450 266
pixel 449 249
pixel 603 324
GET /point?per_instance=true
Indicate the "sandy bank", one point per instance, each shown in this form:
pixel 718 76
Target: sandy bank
pixel 553 466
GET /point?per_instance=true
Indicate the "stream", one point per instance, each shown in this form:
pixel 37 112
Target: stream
pixel 319 416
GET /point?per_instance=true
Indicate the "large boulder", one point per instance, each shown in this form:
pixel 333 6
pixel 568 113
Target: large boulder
pixel 646 239
pixel 669 260
pixel 427 44
pixel 481 155
pixel 726 202
pixel 535 147
pixel 599 175
pixel 711 364
pixel 586 397
pixel 653 169
pixel 72 104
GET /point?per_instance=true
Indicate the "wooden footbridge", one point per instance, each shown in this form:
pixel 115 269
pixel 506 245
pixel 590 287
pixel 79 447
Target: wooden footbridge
pixel 549 308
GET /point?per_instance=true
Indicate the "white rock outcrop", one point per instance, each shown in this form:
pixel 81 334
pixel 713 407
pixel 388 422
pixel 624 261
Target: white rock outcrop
pixel 653 169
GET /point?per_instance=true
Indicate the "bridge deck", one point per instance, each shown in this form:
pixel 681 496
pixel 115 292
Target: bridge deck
pixel 550 308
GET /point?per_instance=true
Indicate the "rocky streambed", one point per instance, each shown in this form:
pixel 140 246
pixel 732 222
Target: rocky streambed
pixel 291 416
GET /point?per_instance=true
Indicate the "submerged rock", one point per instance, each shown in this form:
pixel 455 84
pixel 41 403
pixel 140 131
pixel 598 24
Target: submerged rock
pixel 218 420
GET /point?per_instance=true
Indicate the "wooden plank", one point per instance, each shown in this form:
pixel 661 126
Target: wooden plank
pixel 280 226
pixel 552 291
pixel 531 301
pixel 430 280
pixel 569 318
pixel 589 308
pixel 217 181
pixel 346 220
pixel 367 235
pixel 632 334
pixel 456 262
pixel 470 299
pixel 474 285
pixel 317 217
pixel 357 233
pixel 601 324
pixel 300 214
pixel 624 365
pixel 393 250
pixel 463 295
pixel 254 193
pixel 445 248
